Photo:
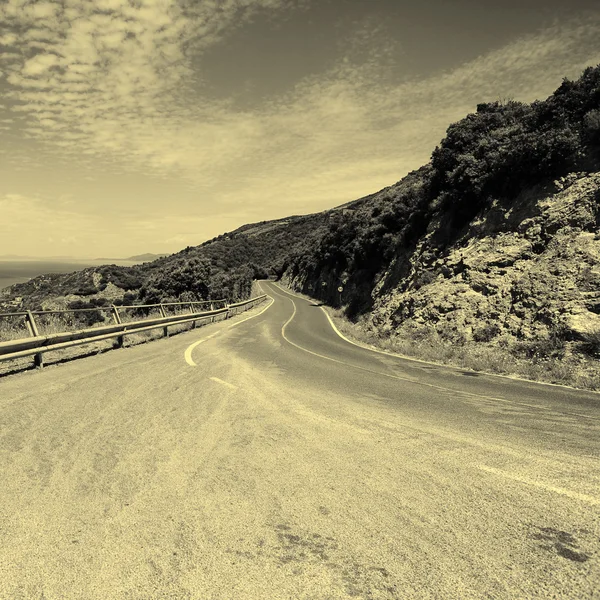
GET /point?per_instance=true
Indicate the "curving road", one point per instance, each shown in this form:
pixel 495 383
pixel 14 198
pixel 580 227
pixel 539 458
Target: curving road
pixel 265 457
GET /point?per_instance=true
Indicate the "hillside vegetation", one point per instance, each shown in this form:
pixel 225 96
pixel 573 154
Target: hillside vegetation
pixel 221 268
pixel 493 242
pixel 486 160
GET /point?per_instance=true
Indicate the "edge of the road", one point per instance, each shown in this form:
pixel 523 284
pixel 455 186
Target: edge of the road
pixel 427 362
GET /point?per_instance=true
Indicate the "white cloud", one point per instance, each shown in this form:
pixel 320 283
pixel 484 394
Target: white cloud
pixel 27 220
pixel 119 80
pixel 39 64
pixel 8 39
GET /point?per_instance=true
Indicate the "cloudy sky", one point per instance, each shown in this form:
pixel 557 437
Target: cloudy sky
pixel 131 126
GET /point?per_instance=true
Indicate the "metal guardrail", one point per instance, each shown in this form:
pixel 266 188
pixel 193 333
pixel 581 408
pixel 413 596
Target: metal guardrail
pixel 115 307
pixel 36 345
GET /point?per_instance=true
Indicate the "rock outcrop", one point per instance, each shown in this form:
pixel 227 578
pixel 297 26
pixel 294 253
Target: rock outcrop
pixel 527 271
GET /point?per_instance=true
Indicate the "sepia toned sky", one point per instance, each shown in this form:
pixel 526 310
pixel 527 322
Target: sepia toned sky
pixel 130 126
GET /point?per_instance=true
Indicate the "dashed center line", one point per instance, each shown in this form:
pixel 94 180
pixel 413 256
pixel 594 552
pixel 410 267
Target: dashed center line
pixel 225 383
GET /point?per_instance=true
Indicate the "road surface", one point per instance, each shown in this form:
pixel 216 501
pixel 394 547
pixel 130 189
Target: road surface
pixel 265 457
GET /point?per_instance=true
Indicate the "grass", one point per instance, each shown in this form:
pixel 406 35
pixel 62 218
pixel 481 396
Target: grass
pixel 573 368
pixel 15 328
pixel 12 328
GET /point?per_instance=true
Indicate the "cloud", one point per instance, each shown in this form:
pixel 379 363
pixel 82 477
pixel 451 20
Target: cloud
pixel 109 79
pixel 28 220
pixel 39 64
pixel 112 58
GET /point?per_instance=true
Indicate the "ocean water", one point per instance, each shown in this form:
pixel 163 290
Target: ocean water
pixel 19 271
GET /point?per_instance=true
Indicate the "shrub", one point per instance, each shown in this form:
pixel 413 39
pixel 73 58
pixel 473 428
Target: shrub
pixel 86 291
pixel 486 332
pixel 552 346
pixel 424 278
pixel 90 317
pixel 591 344
pixel 591 128
pixel 451 333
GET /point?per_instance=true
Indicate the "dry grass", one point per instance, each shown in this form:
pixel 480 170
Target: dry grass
pixel 573 369
pixel 11 329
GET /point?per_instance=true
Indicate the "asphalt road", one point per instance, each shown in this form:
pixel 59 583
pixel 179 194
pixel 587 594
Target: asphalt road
pixel 265 457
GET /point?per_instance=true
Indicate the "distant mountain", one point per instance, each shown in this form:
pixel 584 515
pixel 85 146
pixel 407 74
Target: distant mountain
pixel 137 258
pixel 145 257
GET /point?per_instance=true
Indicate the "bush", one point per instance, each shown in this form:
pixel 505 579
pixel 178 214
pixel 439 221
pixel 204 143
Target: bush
pixel 486 333
pixel 552 346
pixel 451 333
pixel 90 317
pixel 127 278
pixel 590 344
pixel 500 150
pixel 86 291
pixel 423 278
pixel 129 298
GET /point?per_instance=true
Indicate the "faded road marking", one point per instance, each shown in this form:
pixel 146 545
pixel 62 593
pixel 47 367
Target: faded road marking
pixel 226 383
pixel 188 352
pixel 550 488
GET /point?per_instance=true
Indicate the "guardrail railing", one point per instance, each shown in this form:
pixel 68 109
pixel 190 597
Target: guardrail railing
pixel 37 344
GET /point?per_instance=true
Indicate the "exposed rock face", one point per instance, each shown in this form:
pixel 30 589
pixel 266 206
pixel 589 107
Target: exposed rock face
pixel 522 272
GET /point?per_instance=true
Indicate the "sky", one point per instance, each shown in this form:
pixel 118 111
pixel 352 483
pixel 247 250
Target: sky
pixel 133 126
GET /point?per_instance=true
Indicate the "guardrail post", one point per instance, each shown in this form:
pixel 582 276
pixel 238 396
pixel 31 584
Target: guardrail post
pixel 115 313
pixel 117 319
pixel 38 359
pixel 164 314
pixel 191 311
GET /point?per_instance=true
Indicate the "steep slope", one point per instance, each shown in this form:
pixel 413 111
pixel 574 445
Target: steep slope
pixel 525 272
pixel 495 240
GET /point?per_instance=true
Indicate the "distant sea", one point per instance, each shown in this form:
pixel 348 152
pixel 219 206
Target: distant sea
pixel 21 270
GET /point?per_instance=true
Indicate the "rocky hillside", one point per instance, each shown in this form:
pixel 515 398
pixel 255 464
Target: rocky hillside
pixel 496 240
pixel 528 272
